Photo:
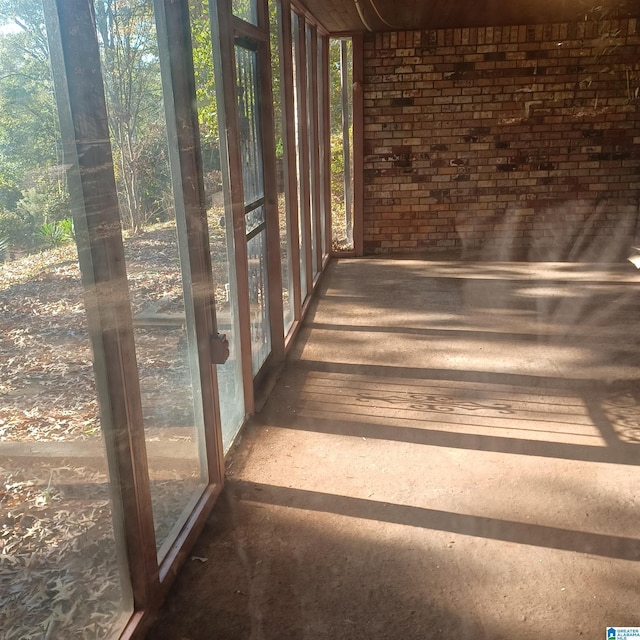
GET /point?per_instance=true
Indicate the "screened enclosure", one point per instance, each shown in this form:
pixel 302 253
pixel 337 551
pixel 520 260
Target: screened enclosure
pixel 163 226
pixel 175 176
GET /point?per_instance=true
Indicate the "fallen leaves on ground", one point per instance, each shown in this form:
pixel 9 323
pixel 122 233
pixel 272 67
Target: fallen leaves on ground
pixel 59 576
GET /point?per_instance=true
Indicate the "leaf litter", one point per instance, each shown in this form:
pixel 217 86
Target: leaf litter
pixel 59 576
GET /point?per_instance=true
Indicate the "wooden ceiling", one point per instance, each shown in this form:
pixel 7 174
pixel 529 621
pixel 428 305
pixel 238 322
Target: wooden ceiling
pixel 346 16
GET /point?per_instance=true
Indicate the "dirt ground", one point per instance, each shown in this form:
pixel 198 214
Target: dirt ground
pixel 55 508
pixel 451 452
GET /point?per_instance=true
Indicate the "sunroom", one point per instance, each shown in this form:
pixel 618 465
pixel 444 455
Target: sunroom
pixel 373 263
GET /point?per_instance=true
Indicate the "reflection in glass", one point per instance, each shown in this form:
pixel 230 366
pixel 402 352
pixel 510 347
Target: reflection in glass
pixel 62 573
pixel 250 144
pixel 254 219
pixel 165 351
pixel 258 300
pixel 275 12
pixel 253 184
pixel 220 224
pixel 246 10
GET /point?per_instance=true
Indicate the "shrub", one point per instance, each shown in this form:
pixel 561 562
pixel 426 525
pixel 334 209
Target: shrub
pixel 54 234
pixel 18 230
pixel 43 204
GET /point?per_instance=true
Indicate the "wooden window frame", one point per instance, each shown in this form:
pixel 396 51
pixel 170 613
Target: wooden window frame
pixel 94 202
pixel 325 147
pixel 232 30
pixel 83 114
pixel 304 168
pixel 291 166
pixel 175 48
pixel 357 55
pixel 314 117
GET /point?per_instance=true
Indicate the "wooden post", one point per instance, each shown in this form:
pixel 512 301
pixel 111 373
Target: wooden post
pixel 274 268
pixel 304 168
pixel 358 143
pixel 314 118
pixel 346 139
pixel 94 203
pixel 174 44
pixel 224 59
pixel 289 133
pixel 326 115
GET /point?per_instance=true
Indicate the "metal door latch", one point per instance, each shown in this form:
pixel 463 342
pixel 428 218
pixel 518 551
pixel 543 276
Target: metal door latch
pixel 219 348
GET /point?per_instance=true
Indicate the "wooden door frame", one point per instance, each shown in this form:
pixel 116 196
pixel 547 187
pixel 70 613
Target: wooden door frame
pixel 230 29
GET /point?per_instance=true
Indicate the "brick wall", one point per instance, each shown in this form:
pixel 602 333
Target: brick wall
pixel 523 138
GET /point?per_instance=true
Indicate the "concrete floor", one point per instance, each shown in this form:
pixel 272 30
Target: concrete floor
pixel 451 452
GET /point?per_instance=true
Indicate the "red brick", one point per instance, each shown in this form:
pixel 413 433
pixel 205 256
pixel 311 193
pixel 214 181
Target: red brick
pixel 457 89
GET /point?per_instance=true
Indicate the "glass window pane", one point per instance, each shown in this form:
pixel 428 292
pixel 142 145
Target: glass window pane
pixel 246 10
pixel 275 14
pixel 312 133
pixel 157 263
pixel 250 144
pixel 258 300
pixel 220 224
pixel 253 185
pixel 254 219
pixel 63 568
pixel 341 144
pixel 322 88
pixel 298 88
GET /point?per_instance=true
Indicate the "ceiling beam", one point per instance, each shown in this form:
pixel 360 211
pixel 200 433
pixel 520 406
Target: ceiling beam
pixel 400 15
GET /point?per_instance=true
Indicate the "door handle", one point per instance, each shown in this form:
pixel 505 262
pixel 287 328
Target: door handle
pixel 219 348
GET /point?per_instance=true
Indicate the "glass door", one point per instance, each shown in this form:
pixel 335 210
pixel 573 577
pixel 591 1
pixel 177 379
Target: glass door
pixel 247 158
pixel 157 262
pixel 254 200
pixel 219 222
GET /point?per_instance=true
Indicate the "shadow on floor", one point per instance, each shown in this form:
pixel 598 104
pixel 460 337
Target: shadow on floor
pixel 289 578
pixel 452 451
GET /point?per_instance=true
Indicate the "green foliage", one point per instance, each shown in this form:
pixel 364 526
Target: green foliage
pixel 133 88
pixel 154 177
pixel 9 190
pixel 29 138
pixel 204 74
pixel 246 10
pixel 340 225
pixel 335 81
pixel 45 202
pixel 18 231
pixel 68 229
pixel 279 148
pixel 337 155
pixel 276 72
pixel 50 234
pixel 32 181
pixel 337 180
pixel 55 234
